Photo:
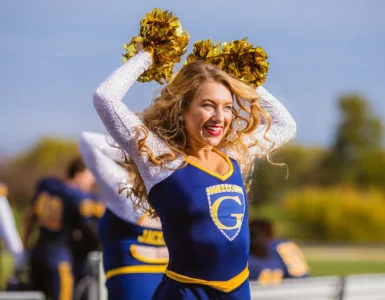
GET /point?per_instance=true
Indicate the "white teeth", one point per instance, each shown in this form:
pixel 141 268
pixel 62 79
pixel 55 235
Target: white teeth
pixel 214 128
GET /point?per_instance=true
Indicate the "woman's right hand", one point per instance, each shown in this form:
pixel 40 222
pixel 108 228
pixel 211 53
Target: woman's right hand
pixel 139 46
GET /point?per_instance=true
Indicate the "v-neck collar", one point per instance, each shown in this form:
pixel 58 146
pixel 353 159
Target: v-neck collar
pixel 219 176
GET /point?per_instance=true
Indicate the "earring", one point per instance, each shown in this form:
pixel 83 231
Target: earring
pixel 180 118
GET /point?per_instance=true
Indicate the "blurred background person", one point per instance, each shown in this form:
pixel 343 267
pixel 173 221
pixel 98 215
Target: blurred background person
pixel 81 243
pixel 292 259
pixel 263 266
pixel 8 231
pixel 134 252
pixel 57 209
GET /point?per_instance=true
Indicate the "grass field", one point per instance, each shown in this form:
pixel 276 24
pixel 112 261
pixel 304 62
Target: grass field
pixel 323 260
pixel 5 268
pixel 328 268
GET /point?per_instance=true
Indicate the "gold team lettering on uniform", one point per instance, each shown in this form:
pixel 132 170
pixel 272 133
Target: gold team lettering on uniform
pixel 214 211
pixel 151 237
pixel 223 188
pixel 215 203
pixel 49 210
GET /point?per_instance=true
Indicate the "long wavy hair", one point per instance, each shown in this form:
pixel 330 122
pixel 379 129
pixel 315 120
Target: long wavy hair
pixel 164 119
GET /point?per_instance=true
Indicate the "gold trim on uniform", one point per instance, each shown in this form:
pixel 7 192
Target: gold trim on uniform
pixel 135 249
pixel 66 281
pixel 87 208
pixel 99 209
pixel 224 286
pixel 221 177
pixel 135 269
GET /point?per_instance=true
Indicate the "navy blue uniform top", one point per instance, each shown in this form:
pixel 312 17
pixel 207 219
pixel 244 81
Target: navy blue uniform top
pixel 204 215
pixel 58 209
pixel 91 209
pixel 120 240
pixel 131 242
pixel 265 270
pixel 204 218
pixel 291 257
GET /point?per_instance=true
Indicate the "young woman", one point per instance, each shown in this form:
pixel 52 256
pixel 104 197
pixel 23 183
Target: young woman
pixel 134 253
pixel 190 148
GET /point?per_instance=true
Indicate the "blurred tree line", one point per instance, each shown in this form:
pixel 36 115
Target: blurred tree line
pixel 318 177
pixel 356 157
pixel 48 157
pixel 331 194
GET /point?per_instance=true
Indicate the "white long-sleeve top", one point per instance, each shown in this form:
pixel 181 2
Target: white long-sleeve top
pixel 121 122
pixel 101 154
pixel 9 234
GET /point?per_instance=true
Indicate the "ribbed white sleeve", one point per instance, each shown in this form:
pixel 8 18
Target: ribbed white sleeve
pixel 283 127
pixel 121 123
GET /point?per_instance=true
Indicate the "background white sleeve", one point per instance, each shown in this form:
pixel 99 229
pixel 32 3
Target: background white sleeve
pixel 101 155
pixel 8 232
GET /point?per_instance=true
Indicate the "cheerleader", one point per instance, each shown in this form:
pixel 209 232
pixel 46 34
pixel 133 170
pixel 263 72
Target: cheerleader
pixel 190 147
pixel 134 252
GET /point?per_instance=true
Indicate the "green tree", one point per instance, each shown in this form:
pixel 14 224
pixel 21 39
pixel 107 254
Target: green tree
pixel 268 181
pixel 358 139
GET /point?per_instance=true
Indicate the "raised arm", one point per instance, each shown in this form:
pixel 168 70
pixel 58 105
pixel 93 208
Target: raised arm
pixel 101 156
pixel 283 127
pixel 121 123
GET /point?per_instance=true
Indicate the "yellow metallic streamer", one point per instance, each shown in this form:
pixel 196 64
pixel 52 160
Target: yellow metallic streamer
pixel 238 58
pixel 162 35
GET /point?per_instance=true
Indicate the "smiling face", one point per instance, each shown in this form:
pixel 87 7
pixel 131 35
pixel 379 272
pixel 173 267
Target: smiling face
pixel 209 115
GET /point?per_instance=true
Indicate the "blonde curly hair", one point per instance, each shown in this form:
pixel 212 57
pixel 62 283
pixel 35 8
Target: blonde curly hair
pixel 163 118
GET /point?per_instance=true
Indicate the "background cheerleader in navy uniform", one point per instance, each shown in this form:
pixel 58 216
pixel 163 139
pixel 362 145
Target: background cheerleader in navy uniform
pixel 57 209
pixel 190 149
pixel 134 252
pixel 264 266
pixel 293 261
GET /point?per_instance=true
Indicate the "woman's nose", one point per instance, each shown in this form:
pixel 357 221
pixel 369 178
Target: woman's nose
pixel 218 115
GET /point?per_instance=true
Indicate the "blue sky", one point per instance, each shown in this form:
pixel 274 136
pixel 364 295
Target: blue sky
pixel 53 54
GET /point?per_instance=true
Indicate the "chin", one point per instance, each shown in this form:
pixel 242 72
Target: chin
pixel 213 143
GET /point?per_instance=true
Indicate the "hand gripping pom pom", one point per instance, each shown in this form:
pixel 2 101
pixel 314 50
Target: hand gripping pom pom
pixel 238 58
pixel 162 35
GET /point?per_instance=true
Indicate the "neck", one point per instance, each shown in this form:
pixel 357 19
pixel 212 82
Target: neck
pixel 73 183
pixel 199 151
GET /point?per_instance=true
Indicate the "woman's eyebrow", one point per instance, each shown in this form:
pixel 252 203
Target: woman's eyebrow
pixel 230 102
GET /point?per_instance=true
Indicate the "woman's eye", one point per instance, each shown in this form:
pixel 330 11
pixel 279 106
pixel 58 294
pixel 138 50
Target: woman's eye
pixel 228 108
pixel 208 105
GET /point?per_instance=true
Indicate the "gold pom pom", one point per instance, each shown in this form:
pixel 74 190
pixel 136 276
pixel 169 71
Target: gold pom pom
pixel 238 58
pixel 207 51
pixel 162 35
